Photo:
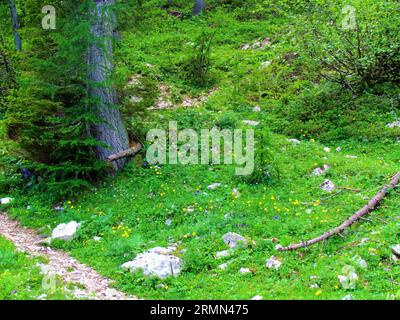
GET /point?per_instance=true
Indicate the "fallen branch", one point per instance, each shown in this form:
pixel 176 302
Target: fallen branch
pixel 371 206
pixel 126 153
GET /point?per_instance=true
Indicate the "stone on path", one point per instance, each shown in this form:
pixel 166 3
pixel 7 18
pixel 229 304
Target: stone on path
pixel 93 285
pixel 65 231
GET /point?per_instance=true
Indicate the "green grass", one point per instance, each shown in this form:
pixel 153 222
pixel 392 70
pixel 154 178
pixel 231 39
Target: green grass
pixel 20 276
pixel 142 199
pixel 287 208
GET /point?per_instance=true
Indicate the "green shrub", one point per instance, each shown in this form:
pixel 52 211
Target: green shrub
pixel 356 46
pixel 199 64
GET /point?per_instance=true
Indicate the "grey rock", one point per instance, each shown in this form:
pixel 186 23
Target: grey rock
pixel 157 262
pixel 396 250
pixel 327 185
pixel 65 231
pixel 6 200
pixel 214 186
pixel 294 141
pixel 273 263
pixel 393 125
pixel 223 254
pixel 321 170
pixel 233 239
pixel 244 270
pixel 251 123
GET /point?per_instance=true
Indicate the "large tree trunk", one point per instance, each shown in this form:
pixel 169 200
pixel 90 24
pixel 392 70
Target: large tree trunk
pixel 111 130
pixel 199 7
pixel 15 25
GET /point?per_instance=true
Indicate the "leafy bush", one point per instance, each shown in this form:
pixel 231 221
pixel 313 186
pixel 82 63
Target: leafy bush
pixel 357 46
pixel 266 169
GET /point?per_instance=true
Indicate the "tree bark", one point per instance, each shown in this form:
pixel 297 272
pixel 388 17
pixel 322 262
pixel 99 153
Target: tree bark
pixel 199 7
pixel 15 25
pixel 110 131
pixel 372 205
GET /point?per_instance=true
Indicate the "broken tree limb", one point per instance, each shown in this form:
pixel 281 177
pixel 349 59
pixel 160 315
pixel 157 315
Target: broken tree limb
pixel 371 206
pixel 126 153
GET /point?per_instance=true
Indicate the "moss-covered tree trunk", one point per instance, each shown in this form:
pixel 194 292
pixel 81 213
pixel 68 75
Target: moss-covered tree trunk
pixel 110 131
pixel 15 25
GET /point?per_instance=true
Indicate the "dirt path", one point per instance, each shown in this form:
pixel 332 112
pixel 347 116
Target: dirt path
pixel 92 285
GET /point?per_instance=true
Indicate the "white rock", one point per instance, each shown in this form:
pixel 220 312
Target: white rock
pixel 348 297
pixel 233 239
pixel 266 64
pixel 273 263
pixel 214 186
pixel 294 141
pixel 257 44
pixel 321 170
pixel 156 262
pixel 257 297
pixel 327 185
pixel 97 239
pixel 223 266
pixel 6 200
pixel 251 123
pixel 223 254
pixel 396 250
pixel 314 286
pixel 66 231
pixel 244 270
pixel 393 125
pixel 256 109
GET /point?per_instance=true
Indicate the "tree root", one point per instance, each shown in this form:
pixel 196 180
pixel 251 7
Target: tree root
pixel 371 206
